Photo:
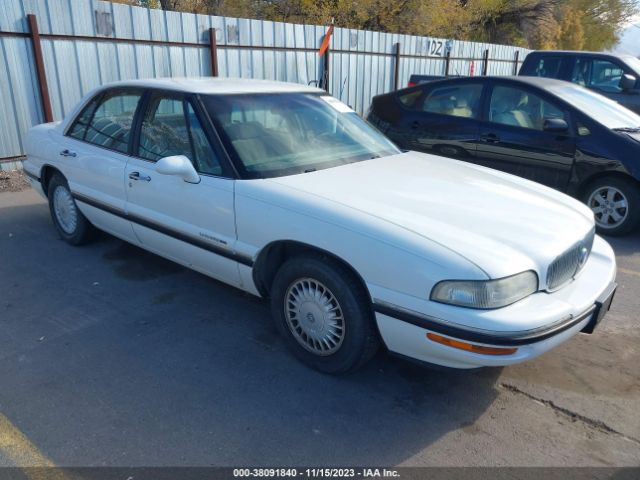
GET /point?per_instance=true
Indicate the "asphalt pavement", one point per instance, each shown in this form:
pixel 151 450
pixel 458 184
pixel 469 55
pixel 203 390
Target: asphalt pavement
pixel 111 356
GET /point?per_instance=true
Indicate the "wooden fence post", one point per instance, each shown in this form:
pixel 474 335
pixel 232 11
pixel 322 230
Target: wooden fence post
pixel 42 76
pixel 213 52
pixel 396 68
pixel 485 63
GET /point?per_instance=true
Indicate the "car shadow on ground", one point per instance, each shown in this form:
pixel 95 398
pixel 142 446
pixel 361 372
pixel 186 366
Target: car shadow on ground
pixel 625 245
pixel 157 365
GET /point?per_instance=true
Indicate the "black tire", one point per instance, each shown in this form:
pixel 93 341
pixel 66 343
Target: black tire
pixel 626 189
pixel 82 230
pixel 359 340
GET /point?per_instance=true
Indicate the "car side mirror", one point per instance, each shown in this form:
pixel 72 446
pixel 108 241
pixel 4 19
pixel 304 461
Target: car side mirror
pixel 555 125
pixel 179 166
pixel 627 82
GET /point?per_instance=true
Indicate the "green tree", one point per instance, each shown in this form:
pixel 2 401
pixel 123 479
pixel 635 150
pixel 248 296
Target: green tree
pixel 570 24
pixel 571 35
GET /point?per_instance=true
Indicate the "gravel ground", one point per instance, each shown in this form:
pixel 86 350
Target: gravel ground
pixel 13 181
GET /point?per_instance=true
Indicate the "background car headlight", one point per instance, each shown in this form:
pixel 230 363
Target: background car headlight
pixel 486 293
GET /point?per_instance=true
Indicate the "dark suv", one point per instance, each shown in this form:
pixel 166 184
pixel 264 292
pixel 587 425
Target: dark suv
pixel 614 76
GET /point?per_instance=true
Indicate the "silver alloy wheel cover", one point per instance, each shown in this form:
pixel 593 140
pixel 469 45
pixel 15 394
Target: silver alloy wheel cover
pixel 314 316
pixel 608 203
pixel 65 210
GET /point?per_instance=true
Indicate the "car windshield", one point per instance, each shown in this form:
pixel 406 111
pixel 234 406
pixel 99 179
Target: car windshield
pixel 280 134
pixel 634 63
pixel 607 112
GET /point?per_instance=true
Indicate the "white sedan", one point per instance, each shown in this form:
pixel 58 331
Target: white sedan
pixel 286 193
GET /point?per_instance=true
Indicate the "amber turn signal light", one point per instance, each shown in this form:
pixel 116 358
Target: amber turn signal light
pixel 469 347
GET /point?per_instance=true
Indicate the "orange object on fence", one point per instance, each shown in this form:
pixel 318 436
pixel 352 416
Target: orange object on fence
pixel 325 41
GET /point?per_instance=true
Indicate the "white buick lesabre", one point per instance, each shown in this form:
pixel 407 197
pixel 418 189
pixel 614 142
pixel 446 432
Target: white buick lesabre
pixel 286 193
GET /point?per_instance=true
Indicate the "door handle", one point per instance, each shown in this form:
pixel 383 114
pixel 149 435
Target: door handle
pixel 68 153
pixel 136 176
pixel 490 138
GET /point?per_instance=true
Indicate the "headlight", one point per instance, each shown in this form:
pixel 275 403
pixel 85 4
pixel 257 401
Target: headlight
pixel 486 293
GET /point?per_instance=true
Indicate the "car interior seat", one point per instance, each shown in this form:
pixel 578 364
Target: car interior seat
pixel 509 108
pixel 462 108
pixel 253 142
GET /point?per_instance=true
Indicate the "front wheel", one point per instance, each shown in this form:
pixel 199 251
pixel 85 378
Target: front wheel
pixel 324 314
pixel 615 203
pixel 71 224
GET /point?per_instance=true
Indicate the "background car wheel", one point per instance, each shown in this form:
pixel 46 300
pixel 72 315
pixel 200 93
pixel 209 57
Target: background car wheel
pixel 324 314
pixel 71 224
pixel 615 203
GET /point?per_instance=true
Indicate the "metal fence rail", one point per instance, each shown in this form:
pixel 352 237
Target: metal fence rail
pixel 55 51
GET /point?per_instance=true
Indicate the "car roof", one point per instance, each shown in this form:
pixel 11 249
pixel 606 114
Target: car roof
pixel 215 85
pixel 541 82
pixel 580 53
pixel 538 82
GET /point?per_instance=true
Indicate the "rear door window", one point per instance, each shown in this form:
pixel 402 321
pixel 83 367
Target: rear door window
pixel 460 100
pixel 110 123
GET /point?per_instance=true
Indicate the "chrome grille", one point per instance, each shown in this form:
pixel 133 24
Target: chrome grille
pixel 567 265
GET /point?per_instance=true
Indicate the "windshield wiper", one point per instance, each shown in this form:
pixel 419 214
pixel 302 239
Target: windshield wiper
pixel 627 129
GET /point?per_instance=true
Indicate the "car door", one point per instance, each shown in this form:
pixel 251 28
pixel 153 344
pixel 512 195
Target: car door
pixel 545 65
pixel 96 149
pixel 444 121
pixel 513 136
pixel 191 223
pixel 603 76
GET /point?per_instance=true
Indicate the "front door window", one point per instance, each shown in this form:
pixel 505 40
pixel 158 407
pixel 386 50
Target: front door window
pixel 599 74
pixel 171 127
pixel 519 108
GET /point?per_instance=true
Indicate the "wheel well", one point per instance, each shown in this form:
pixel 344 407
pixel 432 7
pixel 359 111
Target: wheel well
pixel 273 256
pixel 582 189
pixel 45 176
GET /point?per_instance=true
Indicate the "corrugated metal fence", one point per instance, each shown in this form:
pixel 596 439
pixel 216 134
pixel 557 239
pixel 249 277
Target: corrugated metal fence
pixel 86 43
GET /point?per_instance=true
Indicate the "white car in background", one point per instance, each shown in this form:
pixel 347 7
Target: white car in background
pixel 286 193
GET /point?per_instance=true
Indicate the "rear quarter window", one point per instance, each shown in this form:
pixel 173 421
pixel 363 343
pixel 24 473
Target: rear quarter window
pixel 410 99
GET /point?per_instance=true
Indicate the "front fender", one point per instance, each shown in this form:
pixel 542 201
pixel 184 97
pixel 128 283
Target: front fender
pixel 384 255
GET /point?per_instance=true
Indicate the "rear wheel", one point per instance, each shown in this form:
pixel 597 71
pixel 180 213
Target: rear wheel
pixel 72 225
pixel 615 203
pixel 324 314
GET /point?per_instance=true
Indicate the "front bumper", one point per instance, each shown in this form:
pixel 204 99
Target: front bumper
pixel 548 320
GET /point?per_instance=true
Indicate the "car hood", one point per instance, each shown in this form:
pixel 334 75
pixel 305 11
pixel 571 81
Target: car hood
pixel 501 223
